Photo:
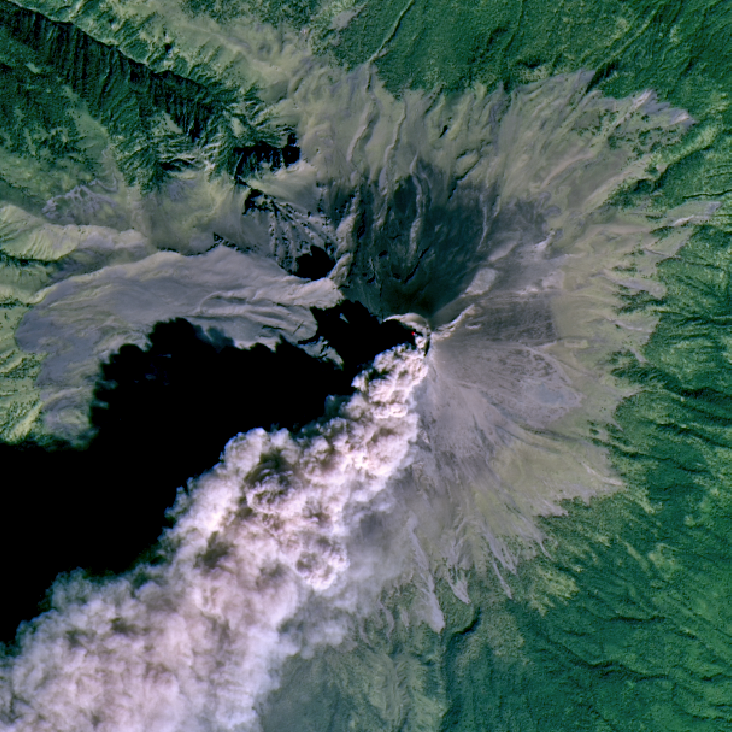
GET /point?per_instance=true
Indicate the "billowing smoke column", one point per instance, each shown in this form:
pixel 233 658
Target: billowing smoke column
pixel 190 645
pixel 162 415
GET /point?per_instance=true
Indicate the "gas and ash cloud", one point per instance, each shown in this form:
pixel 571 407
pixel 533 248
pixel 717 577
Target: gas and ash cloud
pixel 485 215
pixel 190 645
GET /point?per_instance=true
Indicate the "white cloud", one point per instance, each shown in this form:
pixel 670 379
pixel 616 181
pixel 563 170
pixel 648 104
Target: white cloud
pixel 192 644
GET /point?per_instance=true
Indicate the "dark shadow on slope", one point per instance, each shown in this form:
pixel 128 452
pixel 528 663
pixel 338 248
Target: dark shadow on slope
pixel 417 249
pixel 314 265
pixel 161 416
pixel 261 154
